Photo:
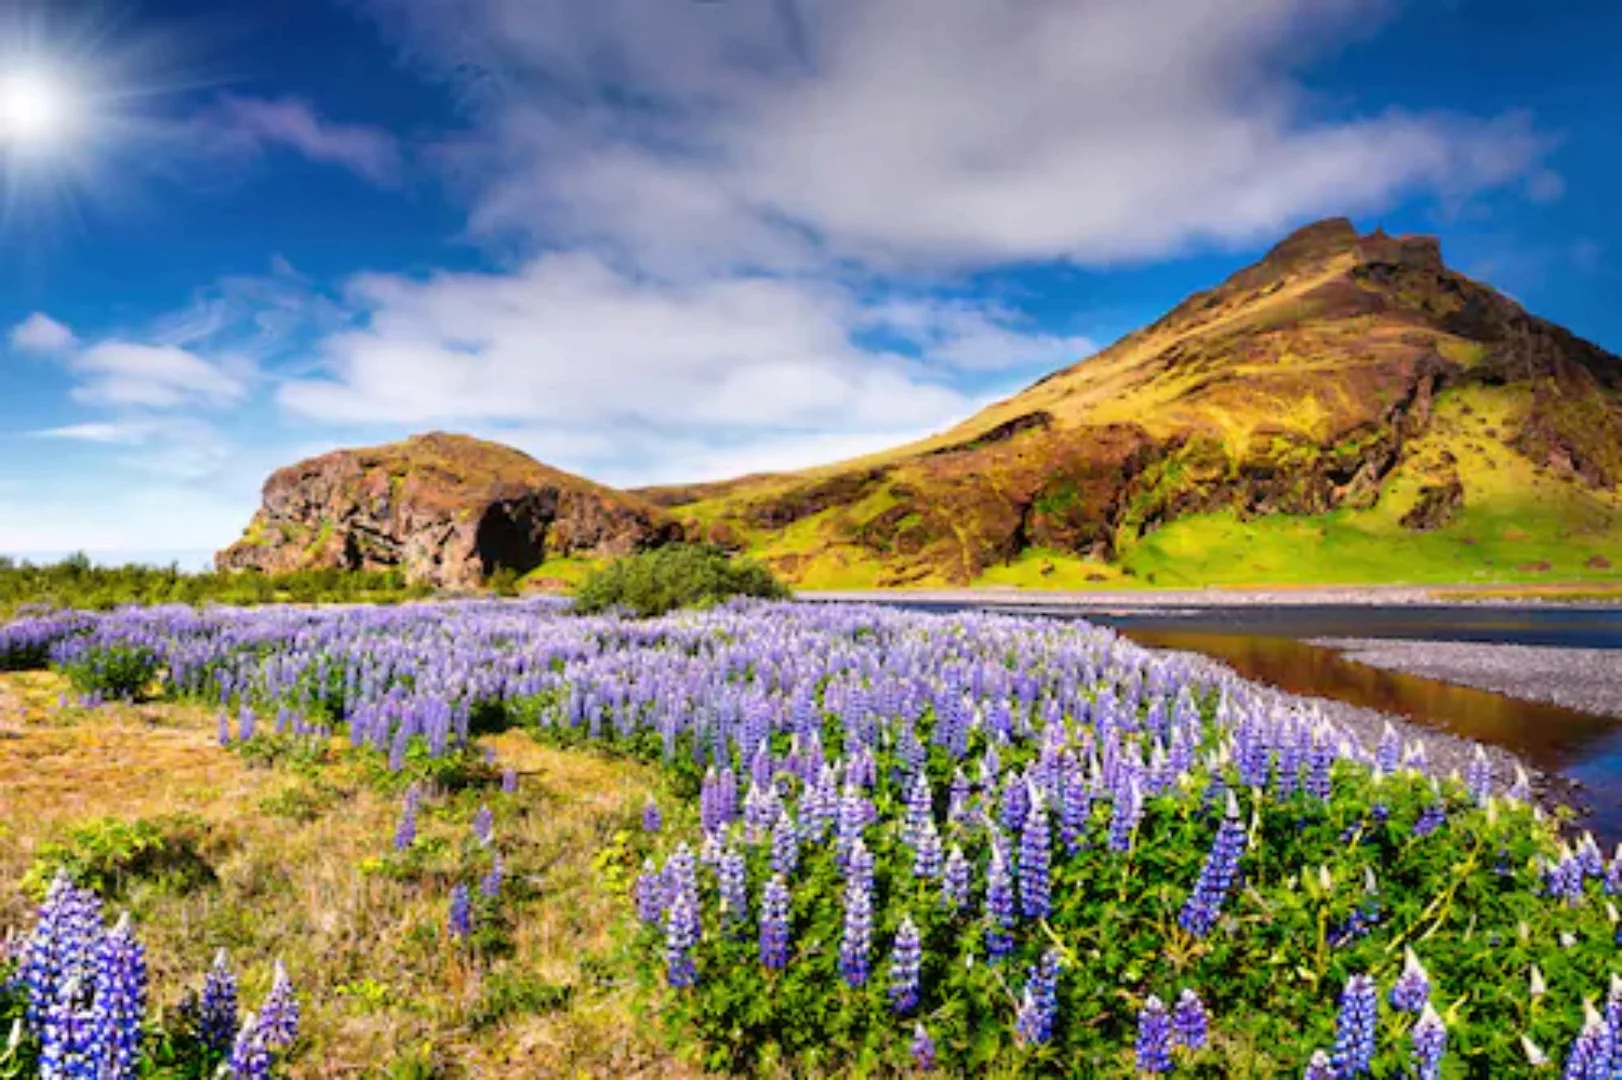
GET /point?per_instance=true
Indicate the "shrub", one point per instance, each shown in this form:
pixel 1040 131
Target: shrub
pixel 106 854
pixel 111 671
pixel 680 576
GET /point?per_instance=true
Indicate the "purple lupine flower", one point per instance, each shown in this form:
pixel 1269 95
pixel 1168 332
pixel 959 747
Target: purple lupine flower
pixel 733 876
pixel 999 904
pixel 484 823
pixel 926 861
pixel 682 930
pixel 62 947
pixel 919 810
pixel 1154 1038
pixel 1320 767
pixel 774 924
pixel 955 881
pixel 405 834
pixel 223 729
pixel 1039 1002
pixel 923 1049
pixel 1124 816
pixel 1075 805
pixel 1016 803
pixel 1586 1060
pixel 1478 777
pixel 650 894
pixel 957 800
pixel 279 1015
pixel 509 781
pixel 490 884
pixel 1204 904
pixel 1564 879
pixel 1388 754
pixel 1413 987
pixel 1430 1042
pixel 120 1004
pixel 1354 1032
pixel 1433 817
pixel 460 918
pixel 1319 1067
pixel 1034 880
pixel 250 1057
pixel 1190 1024
pixel 785 845
pixel 856 939
pixel 217 1008
pixel 852 820
pixel 67 1036
pixel 904 964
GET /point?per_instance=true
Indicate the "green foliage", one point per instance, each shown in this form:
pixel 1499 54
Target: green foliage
pixel 654 582
pixel 508 993
pixel 75 582
pixel 19 1057
pixel 122 672
pixel 504 582
pixel 108 854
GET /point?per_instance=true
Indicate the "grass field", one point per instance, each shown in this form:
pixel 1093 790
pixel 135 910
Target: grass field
pixel 300 856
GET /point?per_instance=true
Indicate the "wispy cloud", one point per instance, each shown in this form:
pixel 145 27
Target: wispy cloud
pixel 240 126
pixel 127 373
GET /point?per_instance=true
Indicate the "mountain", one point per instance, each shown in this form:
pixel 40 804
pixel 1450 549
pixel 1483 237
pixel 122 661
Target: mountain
pixel 446 509
pixel 1346 409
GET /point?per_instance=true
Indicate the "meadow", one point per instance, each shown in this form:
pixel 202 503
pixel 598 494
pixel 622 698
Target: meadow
pixel 488 838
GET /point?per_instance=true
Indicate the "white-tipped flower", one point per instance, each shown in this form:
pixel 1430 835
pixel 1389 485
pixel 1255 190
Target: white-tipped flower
pixel 1536 984
pixel 1326 881
pixel 1534 1057
pixel 1370 884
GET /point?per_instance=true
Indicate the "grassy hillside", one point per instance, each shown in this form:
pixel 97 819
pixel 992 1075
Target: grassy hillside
pixel 1346 410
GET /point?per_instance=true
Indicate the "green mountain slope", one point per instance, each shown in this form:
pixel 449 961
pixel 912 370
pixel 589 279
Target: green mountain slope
pixel 1348 409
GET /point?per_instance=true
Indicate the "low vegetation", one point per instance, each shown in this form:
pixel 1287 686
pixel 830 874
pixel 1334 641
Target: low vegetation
pixel 679 576
pixel 75 582
pixel 486 837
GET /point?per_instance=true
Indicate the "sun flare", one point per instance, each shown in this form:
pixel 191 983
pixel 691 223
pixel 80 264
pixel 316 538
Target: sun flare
pixel 35 110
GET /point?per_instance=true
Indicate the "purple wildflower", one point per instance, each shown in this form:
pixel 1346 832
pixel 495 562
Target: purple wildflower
pixel 785 845
pixel 279 1015
pixel 1413 987
pixel 682 931
pixel 1034 881
pixel 1433 817
pixel 650 894
pixel 484 825
pixel 774 924
pixel 405 834
pixel 490 884
pixel 460 919
pixel 733 875
pixel 217 1009
pixel 1039 1003
pixel 955 881
pixel 858 925
pixel 1354 1033
pixel 1430 1042
pixel 1217 876
pixel 1154 1038
pixel 1190 1025
pixel 1318 1067
pixel 999 905
pixel 904 964
pixel 923 1049
pixel 120 1003
pixel 250 1057
pixel 509 781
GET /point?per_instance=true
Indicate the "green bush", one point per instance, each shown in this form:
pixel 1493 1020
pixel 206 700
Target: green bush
pixel 120 672
pixel 680 576
pixel 107 854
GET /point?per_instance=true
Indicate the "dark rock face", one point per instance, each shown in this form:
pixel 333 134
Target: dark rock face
pixel 446 509
pixel 1438 506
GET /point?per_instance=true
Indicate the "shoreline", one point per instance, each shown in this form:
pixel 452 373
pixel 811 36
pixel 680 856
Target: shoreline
pixel 1587 680
pixel 1218 597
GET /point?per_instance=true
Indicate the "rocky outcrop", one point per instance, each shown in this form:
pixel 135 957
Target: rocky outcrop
pixel 447 510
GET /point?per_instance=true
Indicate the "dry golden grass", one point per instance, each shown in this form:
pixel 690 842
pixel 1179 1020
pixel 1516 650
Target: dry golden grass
pixel 297 851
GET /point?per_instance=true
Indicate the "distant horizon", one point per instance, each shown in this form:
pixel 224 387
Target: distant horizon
pixel 189 559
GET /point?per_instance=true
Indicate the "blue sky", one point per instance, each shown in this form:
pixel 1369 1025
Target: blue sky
pixel 660 240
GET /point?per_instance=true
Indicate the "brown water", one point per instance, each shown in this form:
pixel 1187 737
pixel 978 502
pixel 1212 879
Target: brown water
pixel 1575 744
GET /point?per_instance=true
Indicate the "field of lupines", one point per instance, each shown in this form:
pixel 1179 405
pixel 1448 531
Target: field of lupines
pixel 971 844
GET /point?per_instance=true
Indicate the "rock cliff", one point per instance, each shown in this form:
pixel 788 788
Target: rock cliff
pixel 448 510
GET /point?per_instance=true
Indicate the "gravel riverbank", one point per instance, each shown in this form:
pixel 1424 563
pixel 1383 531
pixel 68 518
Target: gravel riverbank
pixel 1589 680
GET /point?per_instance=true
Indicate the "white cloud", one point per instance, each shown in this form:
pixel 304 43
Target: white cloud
pixel 947 133
pixel 977 336
pixel 569 339
pixel 130 374
pixel 42 335
pixel 239 126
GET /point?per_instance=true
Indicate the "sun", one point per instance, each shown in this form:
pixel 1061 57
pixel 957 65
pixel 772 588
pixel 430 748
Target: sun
pixel 36 110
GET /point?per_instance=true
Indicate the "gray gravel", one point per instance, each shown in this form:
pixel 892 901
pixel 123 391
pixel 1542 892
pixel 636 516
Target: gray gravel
pixel 1589 680
pixel 1445 752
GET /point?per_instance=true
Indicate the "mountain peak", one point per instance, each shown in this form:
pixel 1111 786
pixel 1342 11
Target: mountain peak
pixel 1327 237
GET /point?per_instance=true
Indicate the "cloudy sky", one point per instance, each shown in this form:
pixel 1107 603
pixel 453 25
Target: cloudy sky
pixel 659 240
